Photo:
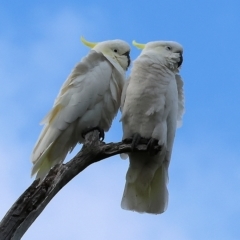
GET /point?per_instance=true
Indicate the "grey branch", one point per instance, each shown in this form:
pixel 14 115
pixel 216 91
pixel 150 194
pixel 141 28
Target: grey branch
pixel 33 201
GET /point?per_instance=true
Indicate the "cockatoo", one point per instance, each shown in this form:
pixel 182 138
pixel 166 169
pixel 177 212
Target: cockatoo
pixel 152 108
pixel 89 99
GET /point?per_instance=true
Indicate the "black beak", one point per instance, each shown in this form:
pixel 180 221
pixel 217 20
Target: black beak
pixel 128 57
pixel 181 60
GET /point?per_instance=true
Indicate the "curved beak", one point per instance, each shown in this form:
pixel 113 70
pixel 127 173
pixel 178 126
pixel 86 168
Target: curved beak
pixel 181 60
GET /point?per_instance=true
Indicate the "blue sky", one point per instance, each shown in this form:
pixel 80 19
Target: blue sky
pixel 39 45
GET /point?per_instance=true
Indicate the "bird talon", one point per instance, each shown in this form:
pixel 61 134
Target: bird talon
pixel 101 135
pixel 101 132
pixel 152 143
pixel 135 140
pixel 127 140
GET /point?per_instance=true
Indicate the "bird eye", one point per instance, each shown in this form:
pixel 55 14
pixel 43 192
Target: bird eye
pixel 169 48
pixel 115 50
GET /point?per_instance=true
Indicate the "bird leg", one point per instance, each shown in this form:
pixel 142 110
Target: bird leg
pixel 134 140
pixel 127 140
pixel 152 143
pixel 101 132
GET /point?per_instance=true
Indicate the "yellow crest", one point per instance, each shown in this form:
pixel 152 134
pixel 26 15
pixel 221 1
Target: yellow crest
pixel 138 45
pixel 88 44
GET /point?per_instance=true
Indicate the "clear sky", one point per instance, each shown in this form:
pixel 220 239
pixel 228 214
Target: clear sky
pixel 39 45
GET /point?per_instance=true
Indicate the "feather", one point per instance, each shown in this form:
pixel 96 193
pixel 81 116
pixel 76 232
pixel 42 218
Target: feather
pixel 152 102
pixel 181 109
pixel 90 97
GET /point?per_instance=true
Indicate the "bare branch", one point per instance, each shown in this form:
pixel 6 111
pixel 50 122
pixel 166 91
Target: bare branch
pixel 33 201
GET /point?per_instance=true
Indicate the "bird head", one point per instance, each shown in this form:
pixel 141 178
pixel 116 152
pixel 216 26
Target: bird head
pixel 172 51
pixel 116 51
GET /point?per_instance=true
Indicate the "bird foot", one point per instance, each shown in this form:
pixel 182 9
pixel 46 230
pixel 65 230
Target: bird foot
pixel 135 140
pixel 101 132
pixel 152 143
pixel 127 140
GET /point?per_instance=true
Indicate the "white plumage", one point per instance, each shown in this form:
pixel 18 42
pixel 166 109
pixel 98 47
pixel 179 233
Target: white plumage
pixel 89 98
pixel 152 104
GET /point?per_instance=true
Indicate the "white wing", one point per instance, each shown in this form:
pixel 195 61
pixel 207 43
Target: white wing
pixel 150 109
pixel 144 83
pixel 124 93
pixel 92 86
pixel 181 108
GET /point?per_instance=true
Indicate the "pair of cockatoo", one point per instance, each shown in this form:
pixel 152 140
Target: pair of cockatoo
pixel 152 104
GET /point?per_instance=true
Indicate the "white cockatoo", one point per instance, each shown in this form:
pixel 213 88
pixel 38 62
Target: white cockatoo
pixel 89 99
pixel 152 108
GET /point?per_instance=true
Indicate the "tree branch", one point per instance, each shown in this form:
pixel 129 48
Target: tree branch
pixel 33 201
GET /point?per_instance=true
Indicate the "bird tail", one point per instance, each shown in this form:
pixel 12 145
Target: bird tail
pixel 54 154
pixel 51 149
pixel 146 184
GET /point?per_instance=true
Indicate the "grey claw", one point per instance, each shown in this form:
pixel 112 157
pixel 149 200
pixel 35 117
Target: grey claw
pixel 101 132
pixel 135 140
pixel 152 143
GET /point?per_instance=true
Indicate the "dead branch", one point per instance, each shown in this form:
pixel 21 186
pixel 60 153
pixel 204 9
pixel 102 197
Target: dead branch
pixel 33 201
